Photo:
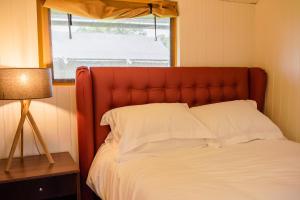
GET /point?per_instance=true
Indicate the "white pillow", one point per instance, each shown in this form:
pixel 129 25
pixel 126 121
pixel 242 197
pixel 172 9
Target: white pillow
pixel 133 126
pixel 236 122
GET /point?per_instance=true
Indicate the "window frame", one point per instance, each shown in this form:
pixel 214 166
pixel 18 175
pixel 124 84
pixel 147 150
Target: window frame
pixel 45 45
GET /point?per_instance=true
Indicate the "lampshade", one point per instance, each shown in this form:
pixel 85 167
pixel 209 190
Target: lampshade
pixel 25 83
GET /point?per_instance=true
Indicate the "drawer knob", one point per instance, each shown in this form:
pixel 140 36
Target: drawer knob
pixel 40 189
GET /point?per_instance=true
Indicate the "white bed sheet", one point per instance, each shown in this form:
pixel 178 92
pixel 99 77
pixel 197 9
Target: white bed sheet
pixel 260 170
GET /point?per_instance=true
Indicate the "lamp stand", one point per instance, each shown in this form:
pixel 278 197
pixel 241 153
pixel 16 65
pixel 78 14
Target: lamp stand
pixel 19 133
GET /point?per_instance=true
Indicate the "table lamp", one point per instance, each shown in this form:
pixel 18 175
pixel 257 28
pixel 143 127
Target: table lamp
pixel 25 84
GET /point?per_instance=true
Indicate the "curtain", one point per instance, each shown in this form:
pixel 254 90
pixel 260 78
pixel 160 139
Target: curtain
pixel 115 9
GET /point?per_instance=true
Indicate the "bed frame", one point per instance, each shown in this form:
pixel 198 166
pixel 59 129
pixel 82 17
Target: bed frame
pixel 99 89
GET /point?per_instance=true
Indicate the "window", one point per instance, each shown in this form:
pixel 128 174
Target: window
pixel 122 42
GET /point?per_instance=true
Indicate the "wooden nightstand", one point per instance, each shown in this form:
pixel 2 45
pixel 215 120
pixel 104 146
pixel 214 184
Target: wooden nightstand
pixel 34 178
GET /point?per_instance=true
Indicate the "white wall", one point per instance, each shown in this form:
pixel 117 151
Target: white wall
pixel 55 116
pixel 216 33
pixel 278 51
pixel 18 35
pixel 211 33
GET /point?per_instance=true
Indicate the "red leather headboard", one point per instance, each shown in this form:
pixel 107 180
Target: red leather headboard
pixel 99 89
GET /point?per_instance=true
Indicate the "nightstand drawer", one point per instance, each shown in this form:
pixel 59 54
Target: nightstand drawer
pixel 43 188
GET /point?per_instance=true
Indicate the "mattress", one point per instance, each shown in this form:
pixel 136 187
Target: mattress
pixel 260 170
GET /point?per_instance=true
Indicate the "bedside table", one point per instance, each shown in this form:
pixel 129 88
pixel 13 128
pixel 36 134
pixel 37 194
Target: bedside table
pixel 34 178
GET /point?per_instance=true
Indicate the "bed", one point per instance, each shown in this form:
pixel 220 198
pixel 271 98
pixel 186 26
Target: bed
pixel 100 89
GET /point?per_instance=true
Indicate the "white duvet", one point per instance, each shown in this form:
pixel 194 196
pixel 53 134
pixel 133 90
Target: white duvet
pixel 258 170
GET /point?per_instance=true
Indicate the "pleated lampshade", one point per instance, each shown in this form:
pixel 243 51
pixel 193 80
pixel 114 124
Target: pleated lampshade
pixel 25 83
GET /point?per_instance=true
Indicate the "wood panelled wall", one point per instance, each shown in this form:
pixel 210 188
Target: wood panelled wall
pixel 216 33
pixel 277 50
pixel 210 33
pixel 18 35
pixel 55 116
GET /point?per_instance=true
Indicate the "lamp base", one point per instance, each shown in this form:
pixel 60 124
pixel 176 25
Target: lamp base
pixel 26 113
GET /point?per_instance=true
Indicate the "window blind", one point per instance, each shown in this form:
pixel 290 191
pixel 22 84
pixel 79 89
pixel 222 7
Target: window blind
pixel 115 9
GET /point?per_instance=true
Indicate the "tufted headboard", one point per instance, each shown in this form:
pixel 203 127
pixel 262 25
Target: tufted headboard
pixel 99 89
